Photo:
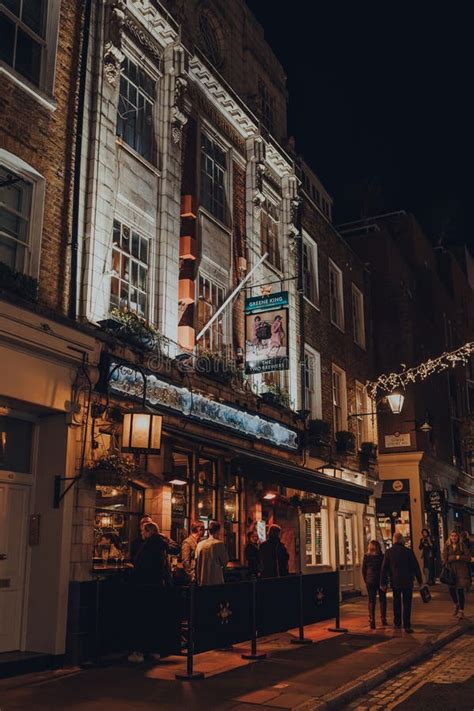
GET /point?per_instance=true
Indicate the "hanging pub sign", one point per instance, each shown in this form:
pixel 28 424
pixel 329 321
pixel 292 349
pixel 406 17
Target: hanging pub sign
pixel 266 333
pixel 435 500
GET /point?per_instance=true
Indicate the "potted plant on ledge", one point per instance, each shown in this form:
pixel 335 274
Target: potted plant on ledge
pixel 132 328
pixel 215 365
pixel 112 470
pixel 367 455
pixel 345 442
pixel 319 433
pixel 276 395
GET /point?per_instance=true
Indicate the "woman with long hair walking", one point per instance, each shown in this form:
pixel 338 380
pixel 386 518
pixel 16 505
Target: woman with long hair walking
pixel 456 557
pixel 371 569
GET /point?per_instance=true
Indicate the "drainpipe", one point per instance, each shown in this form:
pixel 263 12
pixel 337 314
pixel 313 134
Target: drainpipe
pixel 72 311
pixel 300 283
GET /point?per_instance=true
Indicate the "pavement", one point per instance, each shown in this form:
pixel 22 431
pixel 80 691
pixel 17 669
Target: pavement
pixel 333 672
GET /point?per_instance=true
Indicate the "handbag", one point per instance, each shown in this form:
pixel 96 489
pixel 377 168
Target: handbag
pixel 447 576
pixel 425 593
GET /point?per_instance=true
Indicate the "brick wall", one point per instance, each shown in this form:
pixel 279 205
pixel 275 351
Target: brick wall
pixel 44 139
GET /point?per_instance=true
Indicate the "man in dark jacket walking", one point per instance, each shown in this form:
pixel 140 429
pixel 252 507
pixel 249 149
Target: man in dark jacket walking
pixel 401 567
pixel 273 555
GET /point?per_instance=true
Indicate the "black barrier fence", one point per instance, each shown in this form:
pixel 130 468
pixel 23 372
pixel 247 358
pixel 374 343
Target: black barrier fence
pixel 108 617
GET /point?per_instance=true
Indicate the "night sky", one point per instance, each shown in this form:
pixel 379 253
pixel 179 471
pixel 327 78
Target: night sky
pixel 380 105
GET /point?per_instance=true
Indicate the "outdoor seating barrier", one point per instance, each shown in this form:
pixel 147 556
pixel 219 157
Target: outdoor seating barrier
pixel 222 615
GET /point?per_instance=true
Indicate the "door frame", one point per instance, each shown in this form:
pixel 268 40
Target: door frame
pixel 29 481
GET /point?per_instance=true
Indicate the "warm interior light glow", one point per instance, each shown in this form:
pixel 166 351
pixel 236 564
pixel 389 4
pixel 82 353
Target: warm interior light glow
pixel 396 400
pixel 270 496
pixel 141 432
pixel 177 482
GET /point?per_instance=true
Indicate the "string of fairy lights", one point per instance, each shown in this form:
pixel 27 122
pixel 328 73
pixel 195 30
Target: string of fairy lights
pixel 389 382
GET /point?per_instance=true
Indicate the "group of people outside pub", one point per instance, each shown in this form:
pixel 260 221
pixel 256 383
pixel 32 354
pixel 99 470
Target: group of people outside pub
pixel 399 567
pixel 203 560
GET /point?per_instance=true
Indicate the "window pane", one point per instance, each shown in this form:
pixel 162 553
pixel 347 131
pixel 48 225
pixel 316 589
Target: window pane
pixel 12 254
pixel 13 6
pixel 7 43
pixel 28 57
pixel 15 445
pixel 33 15
pixel 135 245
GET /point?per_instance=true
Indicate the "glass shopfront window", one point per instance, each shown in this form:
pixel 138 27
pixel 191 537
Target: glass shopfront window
pixel 180 470
pixel 232 514
pixel 347 551
pixel 317 537
pixel 206 485
pixel 117 518
pixel 15 445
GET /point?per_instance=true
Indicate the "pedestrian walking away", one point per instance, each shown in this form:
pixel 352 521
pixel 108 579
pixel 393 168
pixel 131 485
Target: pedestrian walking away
pixel 211 558
pixel 371 572
pixel 457 557
pixel 427 549
pixel 273 555
pixel 400 566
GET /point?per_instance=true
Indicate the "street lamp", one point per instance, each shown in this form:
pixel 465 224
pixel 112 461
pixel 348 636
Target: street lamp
pixel 395 401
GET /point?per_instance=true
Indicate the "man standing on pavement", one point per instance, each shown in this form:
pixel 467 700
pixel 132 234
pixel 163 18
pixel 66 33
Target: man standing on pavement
pixel 211 558
pixel 188 550
pixel 401 567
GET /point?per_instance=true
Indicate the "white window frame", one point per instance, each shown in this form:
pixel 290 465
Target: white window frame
pixel 313 257
pixel 206 342
pixel 140 264
pixel 133 56
pixel 311 519
pixel 313 383
pixel 43 93
pixel 339 397
pixel 336 309
pixel 38 183
pixel 358 316
pixel 226 171
pixel 362 405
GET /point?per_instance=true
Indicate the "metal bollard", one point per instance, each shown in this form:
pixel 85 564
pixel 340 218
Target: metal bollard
pixel 190 674
pixel 253 652
pixel 337 627
pixel 301 639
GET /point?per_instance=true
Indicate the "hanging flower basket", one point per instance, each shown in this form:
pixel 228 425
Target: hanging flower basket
pixel 307 503
pixel 112 470
pixel 319 433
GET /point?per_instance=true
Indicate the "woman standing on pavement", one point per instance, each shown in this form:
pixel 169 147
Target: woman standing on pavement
pixel 371 569
pixel 457 558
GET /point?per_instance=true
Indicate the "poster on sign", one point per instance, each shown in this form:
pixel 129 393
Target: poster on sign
pixel 266 333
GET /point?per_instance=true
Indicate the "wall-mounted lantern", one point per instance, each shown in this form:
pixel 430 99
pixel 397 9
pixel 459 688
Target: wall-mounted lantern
pixel 142 433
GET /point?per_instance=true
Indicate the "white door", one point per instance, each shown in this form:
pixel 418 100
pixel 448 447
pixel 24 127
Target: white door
pixel 13 527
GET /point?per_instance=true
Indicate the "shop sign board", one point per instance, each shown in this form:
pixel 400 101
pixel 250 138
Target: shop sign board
pixel 127 381
pixel 266 333
pixel 397 440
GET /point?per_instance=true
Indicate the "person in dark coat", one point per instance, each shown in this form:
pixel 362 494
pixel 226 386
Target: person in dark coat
pixel 188 550
pixel 138 541
pixel 400 567
pixel 371 570
pixel 151 570
pixel 252 554
pixel 457 557
pixel 273 555
pixel 427 549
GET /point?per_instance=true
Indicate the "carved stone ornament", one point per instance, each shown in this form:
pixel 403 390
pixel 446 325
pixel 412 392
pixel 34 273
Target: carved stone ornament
pixel 113 55
pixel 179 116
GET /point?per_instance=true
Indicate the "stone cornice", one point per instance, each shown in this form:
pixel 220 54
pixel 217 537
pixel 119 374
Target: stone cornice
pixel 154 21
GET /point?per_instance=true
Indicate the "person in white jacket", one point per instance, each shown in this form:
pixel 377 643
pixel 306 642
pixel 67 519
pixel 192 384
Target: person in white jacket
pixel 211 558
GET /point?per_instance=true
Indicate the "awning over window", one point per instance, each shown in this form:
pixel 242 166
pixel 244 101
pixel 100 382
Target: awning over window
pixel 265 468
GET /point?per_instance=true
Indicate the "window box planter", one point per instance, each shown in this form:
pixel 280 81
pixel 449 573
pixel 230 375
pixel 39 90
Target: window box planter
pixel 276 396
pixel 131 328
pixel 345 442
pixel 319 433
pixel 18 283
